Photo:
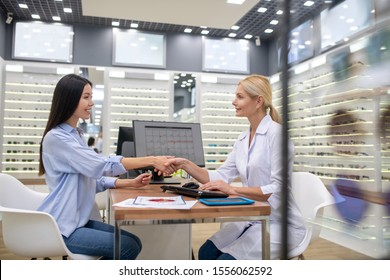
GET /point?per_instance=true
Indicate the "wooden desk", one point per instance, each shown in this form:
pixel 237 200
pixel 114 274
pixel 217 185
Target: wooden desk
pixel 199 213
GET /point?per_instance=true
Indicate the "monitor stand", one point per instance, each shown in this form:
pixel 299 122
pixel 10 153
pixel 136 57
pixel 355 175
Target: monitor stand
pixel 160 179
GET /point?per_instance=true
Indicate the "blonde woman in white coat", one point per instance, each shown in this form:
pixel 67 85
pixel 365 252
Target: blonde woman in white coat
pixel 257 160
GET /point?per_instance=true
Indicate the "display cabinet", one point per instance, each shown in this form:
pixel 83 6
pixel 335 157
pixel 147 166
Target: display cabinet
pixel 220 126
pixel 28 90
pixel 333 118
pixel 134 95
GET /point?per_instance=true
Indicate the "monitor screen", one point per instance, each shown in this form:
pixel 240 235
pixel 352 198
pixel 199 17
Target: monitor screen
pixel 225 55
pixel 339 23
pixel 154 138
pixel 43 41
pixel 125 135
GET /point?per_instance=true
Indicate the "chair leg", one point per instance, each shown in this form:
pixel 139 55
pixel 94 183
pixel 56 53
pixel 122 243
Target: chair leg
pixel 300 257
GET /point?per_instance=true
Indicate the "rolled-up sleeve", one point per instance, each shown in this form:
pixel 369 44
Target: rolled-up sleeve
pixel 105 183
pixel 75 158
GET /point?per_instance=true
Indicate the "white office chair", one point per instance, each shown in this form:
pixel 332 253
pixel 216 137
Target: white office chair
pixel 26 232
pixel 311 197
pixel 101 207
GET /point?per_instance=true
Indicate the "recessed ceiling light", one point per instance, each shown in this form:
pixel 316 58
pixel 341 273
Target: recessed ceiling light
pixel 23 6
pixel 235 27
pixel 262 10
pixel 202 26
pixel 205 32
pixel 34 16
pixel 279 12
pixel 56 18
pixel 134 25
pixel 308 3
pixel 67 10
pixel 188 30
pixel 232 35
pixel 274 22
pixel 268 30
pixel 237 2
pixel 115 23
pixel 248 36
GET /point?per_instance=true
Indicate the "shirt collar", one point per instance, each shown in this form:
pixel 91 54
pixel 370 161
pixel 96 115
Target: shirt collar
pixel 70 129
pixel 261 129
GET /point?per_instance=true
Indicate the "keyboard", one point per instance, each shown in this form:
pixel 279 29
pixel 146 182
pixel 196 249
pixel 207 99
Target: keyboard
pixel 193 192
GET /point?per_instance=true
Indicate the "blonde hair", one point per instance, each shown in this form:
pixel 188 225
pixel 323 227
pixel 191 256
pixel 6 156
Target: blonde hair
pixel 257 85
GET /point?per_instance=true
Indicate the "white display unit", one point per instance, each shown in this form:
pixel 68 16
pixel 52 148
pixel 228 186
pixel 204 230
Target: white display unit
pixel 132 94
pixel 28 90
pixel 220 126
pixel 346 147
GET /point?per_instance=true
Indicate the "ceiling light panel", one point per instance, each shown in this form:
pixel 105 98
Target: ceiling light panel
pixel 252 22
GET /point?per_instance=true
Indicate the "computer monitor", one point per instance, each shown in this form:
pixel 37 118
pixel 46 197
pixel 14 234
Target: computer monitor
pixel 158 138
pixel 125 147
pixel 125 134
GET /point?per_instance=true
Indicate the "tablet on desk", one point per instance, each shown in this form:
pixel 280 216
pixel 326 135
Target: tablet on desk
pixel 226 201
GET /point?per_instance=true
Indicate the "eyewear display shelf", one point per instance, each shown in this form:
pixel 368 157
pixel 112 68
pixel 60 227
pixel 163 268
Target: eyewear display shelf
pixel 220 126
pixel 136 96
pixel 28 90
pixel 333 119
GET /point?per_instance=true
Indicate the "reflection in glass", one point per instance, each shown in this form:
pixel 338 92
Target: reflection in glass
pixel 185 97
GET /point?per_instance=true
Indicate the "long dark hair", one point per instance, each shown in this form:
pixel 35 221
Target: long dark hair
pixel 66 97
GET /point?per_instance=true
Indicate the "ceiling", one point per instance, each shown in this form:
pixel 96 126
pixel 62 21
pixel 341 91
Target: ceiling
pixel 169 15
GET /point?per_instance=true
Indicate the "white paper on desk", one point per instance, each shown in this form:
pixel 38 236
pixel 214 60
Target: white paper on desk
pixel 159 200
pixel 130 203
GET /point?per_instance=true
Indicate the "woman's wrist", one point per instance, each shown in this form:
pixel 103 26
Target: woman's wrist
pixel 153 160
pixel 233 191
pixel 185 165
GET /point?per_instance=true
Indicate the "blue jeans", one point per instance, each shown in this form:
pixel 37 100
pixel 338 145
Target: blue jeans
pixel 208 251
pixel 97 239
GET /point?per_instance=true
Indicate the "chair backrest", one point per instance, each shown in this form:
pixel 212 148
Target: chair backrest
pixel 31 234
pixel 311 196
pixel 27 232
pixel 14 194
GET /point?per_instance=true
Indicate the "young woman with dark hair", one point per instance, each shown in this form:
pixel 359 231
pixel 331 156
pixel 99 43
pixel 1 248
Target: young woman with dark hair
pixel 74 174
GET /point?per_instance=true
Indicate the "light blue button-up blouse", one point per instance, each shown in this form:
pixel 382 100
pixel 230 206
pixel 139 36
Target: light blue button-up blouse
pixel 74 174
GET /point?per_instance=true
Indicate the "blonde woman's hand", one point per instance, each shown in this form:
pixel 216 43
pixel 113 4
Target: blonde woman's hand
pixel 218 186
pixel 162 165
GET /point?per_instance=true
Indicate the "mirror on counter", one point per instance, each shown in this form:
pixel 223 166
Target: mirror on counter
pixel 185 97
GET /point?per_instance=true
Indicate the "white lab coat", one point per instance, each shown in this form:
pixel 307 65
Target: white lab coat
pixel 259 166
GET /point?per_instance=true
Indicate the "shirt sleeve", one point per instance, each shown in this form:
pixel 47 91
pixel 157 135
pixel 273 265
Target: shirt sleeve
pixel 68 155
pixel 105 183
pixel 227 172
pixel 275 186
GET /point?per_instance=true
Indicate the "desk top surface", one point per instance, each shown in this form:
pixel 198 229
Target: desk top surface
pixel 199 210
